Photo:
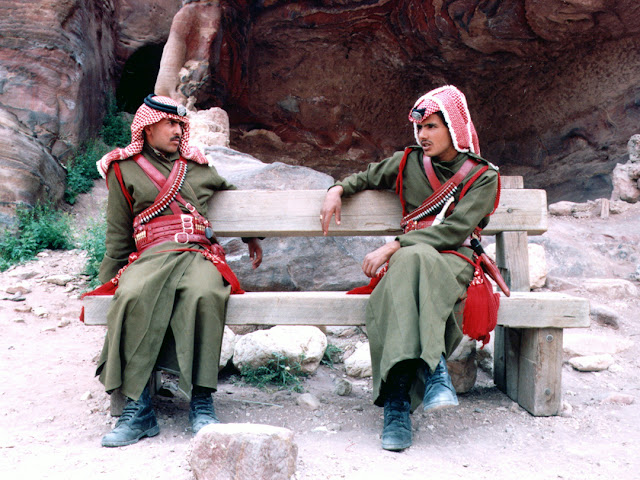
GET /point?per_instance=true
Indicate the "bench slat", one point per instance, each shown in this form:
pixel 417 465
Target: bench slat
pixel 521 310
pixel 291 213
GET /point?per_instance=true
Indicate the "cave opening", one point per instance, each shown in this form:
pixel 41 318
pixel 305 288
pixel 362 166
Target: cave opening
pixel 138 77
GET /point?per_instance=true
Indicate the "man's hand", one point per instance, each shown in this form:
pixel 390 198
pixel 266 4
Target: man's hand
pixel 374 260
pixel 255 252
pixel 331 206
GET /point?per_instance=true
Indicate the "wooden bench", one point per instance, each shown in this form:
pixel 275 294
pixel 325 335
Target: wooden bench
pixel 528 340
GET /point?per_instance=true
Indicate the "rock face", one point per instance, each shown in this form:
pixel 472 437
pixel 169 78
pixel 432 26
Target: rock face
pixel 58 62
pixel 28 172
pixel 334 81
pixel 551 83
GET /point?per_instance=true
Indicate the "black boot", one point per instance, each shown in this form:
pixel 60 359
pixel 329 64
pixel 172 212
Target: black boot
pixel 201 411
pixel 138 420
pixel 439 391
pixel 396 432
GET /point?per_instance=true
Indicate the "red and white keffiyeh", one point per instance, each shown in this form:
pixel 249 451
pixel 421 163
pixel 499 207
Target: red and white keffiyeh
pixel 453 104
pixel 145 115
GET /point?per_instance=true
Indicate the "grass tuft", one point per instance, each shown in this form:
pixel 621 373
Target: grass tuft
pixel 278 373
pixel 93 242
pixel 38 228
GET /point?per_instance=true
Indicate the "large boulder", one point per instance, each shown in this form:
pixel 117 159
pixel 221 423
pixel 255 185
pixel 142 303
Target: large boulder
pixel 297 344
pixel 292 263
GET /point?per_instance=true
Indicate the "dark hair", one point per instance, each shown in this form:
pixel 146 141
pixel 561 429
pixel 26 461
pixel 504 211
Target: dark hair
pixel 441 115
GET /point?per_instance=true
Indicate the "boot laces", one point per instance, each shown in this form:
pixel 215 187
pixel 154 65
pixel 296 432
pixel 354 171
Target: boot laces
pixel 202 405
pixel 131 409
pixel 396 411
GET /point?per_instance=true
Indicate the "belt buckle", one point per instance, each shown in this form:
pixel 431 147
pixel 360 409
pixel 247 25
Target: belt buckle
pixel 177 237
pixel 187 224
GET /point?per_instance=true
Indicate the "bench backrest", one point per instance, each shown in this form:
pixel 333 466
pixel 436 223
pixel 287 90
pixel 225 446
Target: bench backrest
pixel 268 213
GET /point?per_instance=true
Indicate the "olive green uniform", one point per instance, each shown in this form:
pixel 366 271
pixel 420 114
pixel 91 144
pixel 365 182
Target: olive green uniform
pixel 411 313
pixel 169 308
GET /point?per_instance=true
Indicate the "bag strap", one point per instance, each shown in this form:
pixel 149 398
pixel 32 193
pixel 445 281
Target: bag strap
pixel 474 178
pixel 431 173
pixel 125 192
pixel 399 179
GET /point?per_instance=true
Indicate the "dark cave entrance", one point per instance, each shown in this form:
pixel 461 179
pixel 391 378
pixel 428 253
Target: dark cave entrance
pixel 138 77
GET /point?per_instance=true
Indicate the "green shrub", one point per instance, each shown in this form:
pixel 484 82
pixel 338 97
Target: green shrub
pixel 82 171
pixel 116 128
pixel 38 228
pixel 93 242
pixel 278 372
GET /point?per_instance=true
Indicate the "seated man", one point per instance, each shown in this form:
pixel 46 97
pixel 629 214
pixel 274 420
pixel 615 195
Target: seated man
pixel 172 281
pixel 411 314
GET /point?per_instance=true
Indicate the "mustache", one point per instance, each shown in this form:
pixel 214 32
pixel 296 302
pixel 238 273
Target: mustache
pixel 176 137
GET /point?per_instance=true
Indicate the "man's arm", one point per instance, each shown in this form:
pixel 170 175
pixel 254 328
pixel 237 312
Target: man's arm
pixel 331 206
pixel 255 251
pixel 119 240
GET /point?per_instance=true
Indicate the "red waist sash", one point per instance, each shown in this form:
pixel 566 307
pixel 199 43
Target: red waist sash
pixel 170 228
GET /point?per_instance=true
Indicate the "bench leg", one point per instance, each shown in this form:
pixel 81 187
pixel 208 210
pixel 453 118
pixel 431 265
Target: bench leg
pixel 528 368
pixel 117 400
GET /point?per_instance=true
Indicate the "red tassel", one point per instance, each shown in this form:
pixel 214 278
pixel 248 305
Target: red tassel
pixel 366 289
pixel 480 309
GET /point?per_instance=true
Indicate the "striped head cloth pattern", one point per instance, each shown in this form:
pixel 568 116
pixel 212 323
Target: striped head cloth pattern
pixel 453 104
pixel 154 109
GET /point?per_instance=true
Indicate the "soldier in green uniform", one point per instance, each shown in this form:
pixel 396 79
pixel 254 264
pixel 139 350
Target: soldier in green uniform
pixel 412 318
pixel 172 281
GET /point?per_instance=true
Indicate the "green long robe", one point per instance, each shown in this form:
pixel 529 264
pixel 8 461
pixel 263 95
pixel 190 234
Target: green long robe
pixel 169 308
pixel 412 313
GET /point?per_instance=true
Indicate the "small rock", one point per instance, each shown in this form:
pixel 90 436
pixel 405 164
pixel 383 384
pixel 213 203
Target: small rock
pixel 18 320
pixel 48 329
pixel 17 297
pixel 23 275
pixel 611 287
pixel 592 363
pixel 40 312
pixel 343 332
pixel 604 315
pixel 22 309
pixel 619 399
pixel 359 363
pixel 566 410
pixel 19 288
pixel 309 401
pixel 60 280
pixel 86 396
pixel 616 368
pixel 64 322
pixel 342 387
pixel 584 344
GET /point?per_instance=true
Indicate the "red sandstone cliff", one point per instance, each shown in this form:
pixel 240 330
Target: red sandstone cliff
pixel 552 84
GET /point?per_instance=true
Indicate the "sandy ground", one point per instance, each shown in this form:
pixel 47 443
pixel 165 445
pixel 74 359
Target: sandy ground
pixel 53 411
